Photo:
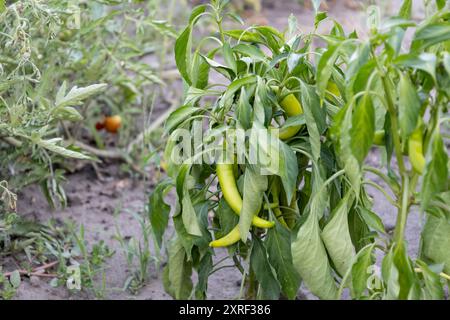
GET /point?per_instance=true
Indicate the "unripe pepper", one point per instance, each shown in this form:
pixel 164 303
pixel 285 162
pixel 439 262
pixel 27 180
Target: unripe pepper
pixel 378 138
pixel 333 90
pixel 292 107
pixel 415 150
pixel 227 182
pixel 231 238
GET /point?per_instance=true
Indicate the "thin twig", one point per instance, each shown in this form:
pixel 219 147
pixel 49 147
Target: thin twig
pixel 109 153
pixel 46 266
pixel 35 272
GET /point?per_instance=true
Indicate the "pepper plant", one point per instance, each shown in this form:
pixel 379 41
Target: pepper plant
pixel 326 99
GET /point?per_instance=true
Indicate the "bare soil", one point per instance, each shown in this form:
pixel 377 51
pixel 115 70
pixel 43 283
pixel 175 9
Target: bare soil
pixel 101 205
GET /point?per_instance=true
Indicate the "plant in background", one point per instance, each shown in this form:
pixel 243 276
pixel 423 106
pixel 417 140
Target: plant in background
pixel 311 219
pixel 110 46
pixel 52 53
pixel 55 44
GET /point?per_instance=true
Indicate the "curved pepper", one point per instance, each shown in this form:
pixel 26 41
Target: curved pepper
pixel 292 107
pixel 232 196
pixel 415 150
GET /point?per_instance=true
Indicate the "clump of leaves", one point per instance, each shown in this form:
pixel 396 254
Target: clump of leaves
pixel 60 251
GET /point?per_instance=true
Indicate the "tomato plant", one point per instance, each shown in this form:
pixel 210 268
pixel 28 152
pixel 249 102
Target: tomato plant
pixel 338 99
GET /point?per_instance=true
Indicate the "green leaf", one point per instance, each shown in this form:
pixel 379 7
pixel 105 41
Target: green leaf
pixel 276 158
pixel 320 16
pixel 2 6
pixel 288 170
pixel 360 270
pixel 436 241
pixel 446 62
pixel 357 61
pixel 341 129
pixel 406 9
pixel 92 25
pixel 254 186
pixel 251 51
pixel 319 196
pixel 245 36
pixel 274 40
pixel 244 110
pixel 311 261
pixel 183 53
pixel 197 11
pixel 262 105
pixel 433 289
pixel 163 27
pixel 235 17
pixel 193 95
pixel 222 69
pixel 15 279
pixel 336 237
pixel 178 116
pixel 53 147
pixel 188 213
pixel 263 271
pixel 229 57
pixel 390 276
pixel 424 61
pixel 398 274
pixel 200 71
pixel 431 34
pixel 436 173
pixel 409 106
pixel 187 240
pixel 159 211
pixel 294 121
pixel 325 68
pixel 280 257
pixel 363 128
pixel 372 220
pixel 227 218
pixel 77 95
pixel 67 113
pixel 315 118
pixel 440 4
pixel 406 274
pixel 292 27
pixel 235 86
pixel 183 45
pixel 394 23
pixel 178 271
pixel 440 207
pixel 203 270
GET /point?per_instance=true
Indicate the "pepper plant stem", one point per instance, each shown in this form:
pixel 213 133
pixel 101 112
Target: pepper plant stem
pixel 403 211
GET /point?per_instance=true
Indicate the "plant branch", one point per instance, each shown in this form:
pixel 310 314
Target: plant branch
pixel 402 212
